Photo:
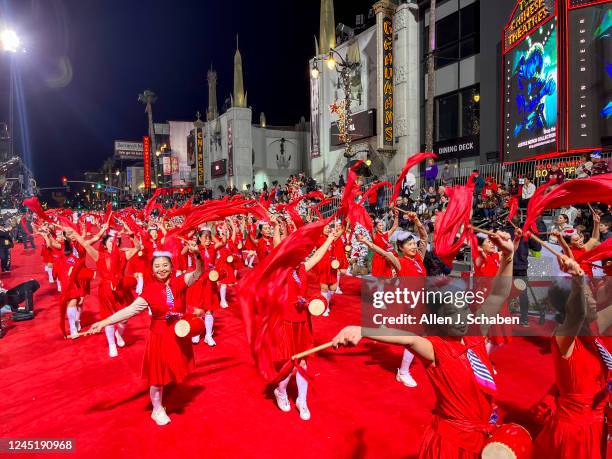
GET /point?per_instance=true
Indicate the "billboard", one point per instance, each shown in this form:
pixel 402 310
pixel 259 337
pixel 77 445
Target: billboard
pixel 531 90
pixel 128 150
pixel 146 142
pixel 589 73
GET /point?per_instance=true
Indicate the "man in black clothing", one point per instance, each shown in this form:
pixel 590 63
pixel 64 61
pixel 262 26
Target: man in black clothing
pixel 25 232
pixel 520 266
pixel 6 244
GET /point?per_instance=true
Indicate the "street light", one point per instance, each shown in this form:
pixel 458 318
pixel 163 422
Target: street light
pixel 117 173
pixel 10 40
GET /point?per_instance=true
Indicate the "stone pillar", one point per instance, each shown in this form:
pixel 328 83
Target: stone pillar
pixel 406 84
pixel 242 146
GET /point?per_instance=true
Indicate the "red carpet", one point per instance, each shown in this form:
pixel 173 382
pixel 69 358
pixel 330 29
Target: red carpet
pixel 53 388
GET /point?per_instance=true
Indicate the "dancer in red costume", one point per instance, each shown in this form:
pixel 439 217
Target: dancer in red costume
pixel 409 264
pixel 204 295
pixel 224 263
pixel 264 243
pixel 113 290
pixel 46 251
pixel 167 357
pixel 328 275
pixel 582 369
pixel 577 247
pixel 463 395
pixel 488 260
pixel 296 329
pixel 380 265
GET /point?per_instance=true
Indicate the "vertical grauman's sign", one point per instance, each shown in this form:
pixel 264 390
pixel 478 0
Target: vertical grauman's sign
pixel 200 156
pixel 315 144
pixel 230 149
pixel 387 92
pixel 146 146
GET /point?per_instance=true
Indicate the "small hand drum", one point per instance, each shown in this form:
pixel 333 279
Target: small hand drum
pixel 239 246
pixel 509 441
pixel 213 276
pixel 230 259
pixel 520 284
pixel 317 305
pixel 189 326
pixel 140 253
pixel 347 248
pixel 335 264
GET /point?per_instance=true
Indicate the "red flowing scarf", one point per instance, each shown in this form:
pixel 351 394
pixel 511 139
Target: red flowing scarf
pixel 412 161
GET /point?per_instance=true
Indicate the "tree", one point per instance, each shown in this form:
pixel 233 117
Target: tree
pixel 148 98
pixel 431 79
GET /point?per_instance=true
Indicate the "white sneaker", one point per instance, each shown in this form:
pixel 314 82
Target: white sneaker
pixel 282 401
pixel 160 417
pixel 210 341
pixel 223 305
pixel 406 379
pixel 303 409
pixel 195 339
pixel 119 339
pixel 326 313
pixel 112 352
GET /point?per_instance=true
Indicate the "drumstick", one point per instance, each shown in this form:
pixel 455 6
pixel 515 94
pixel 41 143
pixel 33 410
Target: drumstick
pixel 532 236
pixel 78 335
pixel 312 351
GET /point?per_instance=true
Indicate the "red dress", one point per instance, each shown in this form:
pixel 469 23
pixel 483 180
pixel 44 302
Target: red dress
pixel 167 357
pixel 460 424
pixel 110 270
pixel 327 274
pixel 295 331
pixel 586 267
pixel 264 247
pixel 489 266
pixel 380 265
pixel 204 294
pixel 575 429
pixel 412 266
pixel 226 270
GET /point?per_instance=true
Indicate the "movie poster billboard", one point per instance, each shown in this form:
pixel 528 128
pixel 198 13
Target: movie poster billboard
pixel 315 146
pixel 146 144
pixel 589 73
pixel 530 81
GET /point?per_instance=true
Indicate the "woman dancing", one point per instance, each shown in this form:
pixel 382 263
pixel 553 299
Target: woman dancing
pixel 167 357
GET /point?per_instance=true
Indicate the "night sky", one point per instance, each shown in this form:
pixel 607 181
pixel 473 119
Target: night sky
pixel 118 48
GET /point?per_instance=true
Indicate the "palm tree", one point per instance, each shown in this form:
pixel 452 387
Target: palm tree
pixel 148 98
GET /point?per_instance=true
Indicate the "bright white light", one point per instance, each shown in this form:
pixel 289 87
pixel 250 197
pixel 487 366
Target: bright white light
pixel 10 40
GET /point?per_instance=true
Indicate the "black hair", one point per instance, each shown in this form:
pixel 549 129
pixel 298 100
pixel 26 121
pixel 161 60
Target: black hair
pixel 67 247
pixel 161 256
pixel 557 298
pixel 105 238
pixel 403 241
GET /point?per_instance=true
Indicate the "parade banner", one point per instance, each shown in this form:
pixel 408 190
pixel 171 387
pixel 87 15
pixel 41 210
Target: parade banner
pixel 230 149
pixel 200 156
pixel 146 143
pixel 530 81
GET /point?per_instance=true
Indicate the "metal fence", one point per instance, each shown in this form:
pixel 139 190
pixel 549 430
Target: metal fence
pixel 537 171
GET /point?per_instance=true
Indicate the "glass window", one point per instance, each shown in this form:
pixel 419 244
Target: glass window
pixel 470 111
pixel 447 111
pixel 447 30
pixel 470 20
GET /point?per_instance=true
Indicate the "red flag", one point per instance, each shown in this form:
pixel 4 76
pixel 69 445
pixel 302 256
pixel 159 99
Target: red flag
pixel 602 252
pixel 513 205
pixel 264 294
pixel 453 224
pixel 412 161
pixel 594 189
pixel 372 190
pixel 34 205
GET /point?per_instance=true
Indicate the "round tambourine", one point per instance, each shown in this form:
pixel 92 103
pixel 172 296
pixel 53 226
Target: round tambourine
pixel 347 248
pixel 189 326
pixel 239 246
pixel 213 275
pixel 509 441
pixel 229 259
pixel 317 306
pixel 335 264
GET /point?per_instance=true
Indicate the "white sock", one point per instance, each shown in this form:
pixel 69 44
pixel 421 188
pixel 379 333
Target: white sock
pixel 282 386
pixel 79 309
pixel 139 284
pixel 59 286
pixel 209 320
pixel 302 386
pixel 156 393
pixel 72 318
pixel 338 281
pixel 50 274
pixel 110 336
pixel 222 292
pixel 488 346
pixel 407 359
